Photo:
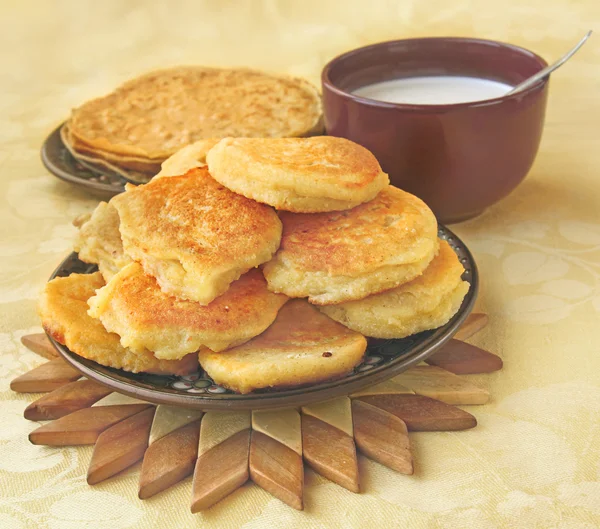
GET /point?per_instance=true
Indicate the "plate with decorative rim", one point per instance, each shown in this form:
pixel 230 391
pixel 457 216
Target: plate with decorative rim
pixel 383 359
pixel 61 163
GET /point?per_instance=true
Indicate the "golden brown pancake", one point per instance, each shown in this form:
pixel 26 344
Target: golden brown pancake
pixel 427 302
pixel 189 157
pixel 341 256
pixel 116 162
pixel 63 309
pixel 103 167
pixel 99 241
pixel 302 347
pixel 304 175
pixel 194 235
pixel 104 164
pixel 133 306
pixel 156 114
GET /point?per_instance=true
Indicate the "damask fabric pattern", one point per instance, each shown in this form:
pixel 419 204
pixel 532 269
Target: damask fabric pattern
pixel 534 459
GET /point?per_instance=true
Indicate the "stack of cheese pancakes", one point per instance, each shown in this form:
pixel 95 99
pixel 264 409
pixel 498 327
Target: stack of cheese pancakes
pixel 267 260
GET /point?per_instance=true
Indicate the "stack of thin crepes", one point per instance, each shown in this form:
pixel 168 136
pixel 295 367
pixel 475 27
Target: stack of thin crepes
pixel 269 265
pixel 134 129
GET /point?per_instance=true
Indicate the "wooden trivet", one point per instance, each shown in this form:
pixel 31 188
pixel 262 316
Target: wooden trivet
pixel 224 449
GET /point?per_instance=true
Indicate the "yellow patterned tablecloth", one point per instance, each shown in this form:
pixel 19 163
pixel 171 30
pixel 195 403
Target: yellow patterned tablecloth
pixel 534 459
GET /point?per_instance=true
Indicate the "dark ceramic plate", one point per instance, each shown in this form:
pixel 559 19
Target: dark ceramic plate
pixel 60 162
pixel 383 359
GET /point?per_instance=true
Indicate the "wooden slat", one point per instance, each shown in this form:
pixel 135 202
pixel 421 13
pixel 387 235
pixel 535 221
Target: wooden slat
pixel 117 399
pixel 120 446
pixel 422 413
pixel 330 452
pixel 66 399
pixel 167 419
pixel 169 459
pixel 337 412
pixel 218 427
pixel 40 344
pixel 473 324
pixel 283 425
pixel 439 384
pixel 277 469
pixel 465 359
pixel 82 427
pixel 382 437
pixel 387 387
pixel 46 377
pixel 220 470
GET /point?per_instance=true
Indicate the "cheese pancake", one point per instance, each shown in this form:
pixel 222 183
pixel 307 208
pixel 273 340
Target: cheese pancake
pixel 302 347
pixel 99 241
pixel 341 256
pixel 156 114
pixel 303 175
pixel 189 157
pixel 63 309
pixel 194 235
pixel 427 302
pixel 133 306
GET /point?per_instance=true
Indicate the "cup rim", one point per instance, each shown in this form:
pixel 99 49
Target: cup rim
pixel 412 107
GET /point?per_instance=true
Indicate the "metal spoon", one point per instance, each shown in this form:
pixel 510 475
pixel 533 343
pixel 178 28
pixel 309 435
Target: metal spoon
pixel 549 69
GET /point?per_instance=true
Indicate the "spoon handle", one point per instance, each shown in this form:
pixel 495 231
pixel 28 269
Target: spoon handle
pixel 548 69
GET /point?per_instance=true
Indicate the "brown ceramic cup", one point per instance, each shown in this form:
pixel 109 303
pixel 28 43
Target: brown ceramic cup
pixel 459 158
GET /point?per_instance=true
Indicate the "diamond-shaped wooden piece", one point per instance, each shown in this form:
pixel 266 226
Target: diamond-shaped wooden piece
pixel 277 468
pixel 282 424
pixel 330 452
pixel 387 387
pixel 120 446
pixel 220 471
pixel 439 384
pixel 422 414
pixel 463 358
pixel 276 454
pixel 337 412
pixel 167 419
pixel 382 437
pixel 473 324
pixel 117 399
pixel 66 399
pixel 40 344
pixel 223 451
pixel 83 426
pixel 46 377
pixel 171 459
pixel 328 443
